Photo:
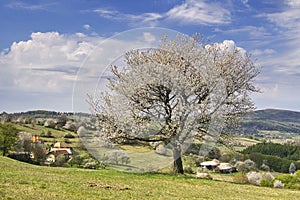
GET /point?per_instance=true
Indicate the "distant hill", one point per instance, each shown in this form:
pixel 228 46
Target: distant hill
pixel 283 121
pixel 41 114
pixel 255 123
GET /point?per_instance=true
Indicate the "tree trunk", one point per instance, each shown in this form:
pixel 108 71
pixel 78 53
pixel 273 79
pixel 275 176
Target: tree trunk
pixel 177 163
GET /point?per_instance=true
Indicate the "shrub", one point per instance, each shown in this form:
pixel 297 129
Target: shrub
pixel 69 135
pixel 246 166
pixel 90 163
pixel 265 167
pixel 240 178
pixel 188 170
pixel 290 181
pixel 60 160
pixel 254 178
pixel 278 184
pixel 266 183
pixel 267 176
pixel 76 160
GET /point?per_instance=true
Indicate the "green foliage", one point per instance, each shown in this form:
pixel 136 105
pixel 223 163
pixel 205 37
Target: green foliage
pixel 194 148
pixel 38 151
pixel 91 163
pixel 69 135
pixel 290 152
pixel 274 162
pixel 76 160
pixel 8 137
pixel 49 133
pixel 214 153
pixel 266 183
pixel 290 181
pixel 60 160
pixel 42 133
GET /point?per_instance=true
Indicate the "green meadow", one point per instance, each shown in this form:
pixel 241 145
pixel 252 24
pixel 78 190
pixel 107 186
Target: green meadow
pixel 24 181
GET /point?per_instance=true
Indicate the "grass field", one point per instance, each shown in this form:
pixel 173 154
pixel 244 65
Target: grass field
pixel 24 181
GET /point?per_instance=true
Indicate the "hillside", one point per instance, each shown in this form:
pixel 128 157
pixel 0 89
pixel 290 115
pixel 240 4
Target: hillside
pixel 279 123
pixel 23 181
pixel 268 123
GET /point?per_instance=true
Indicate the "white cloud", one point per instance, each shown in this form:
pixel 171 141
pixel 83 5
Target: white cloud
pixel 259 52
pixel 27 6
pixel 287 22
pixel 228 45
pixel 190 12
pixel 199 12
pixel 245 3
pixel 253 31
pixel 48 64
pixel 45 63
pixel 149 37
pixel 144 18
pixel 86 27
pixel 293 3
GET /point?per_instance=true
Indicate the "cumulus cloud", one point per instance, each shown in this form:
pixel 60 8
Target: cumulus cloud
pixel 45 63
pixel 48 64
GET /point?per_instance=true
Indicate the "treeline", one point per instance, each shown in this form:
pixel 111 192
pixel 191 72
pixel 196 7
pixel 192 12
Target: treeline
pixel 42 114
pixel 290 152
pixel 37 114
pixel 275 163
pixel 276 156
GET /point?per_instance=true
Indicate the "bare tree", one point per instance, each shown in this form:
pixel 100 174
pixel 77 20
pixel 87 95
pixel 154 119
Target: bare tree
pixel 184 89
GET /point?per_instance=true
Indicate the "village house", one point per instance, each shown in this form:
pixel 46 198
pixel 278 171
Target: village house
pixel 59 148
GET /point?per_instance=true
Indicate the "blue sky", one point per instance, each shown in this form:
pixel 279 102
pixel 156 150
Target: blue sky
pixel 43 43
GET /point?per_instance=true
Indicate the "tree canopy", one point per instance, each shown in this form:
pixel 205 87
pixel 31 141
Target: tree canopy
pixel 182 90
pixel 8 137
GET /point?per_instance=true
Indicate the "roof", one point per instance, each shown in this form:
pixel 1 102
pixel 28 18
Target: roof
pixel 210 163
pixel 61 145
pixel 59 152
pixel 224 166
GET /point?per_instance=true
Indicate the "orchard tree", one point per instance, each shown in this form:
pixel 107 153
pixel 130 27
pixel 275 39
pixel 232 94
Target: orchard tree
pixel 23 143
pixel 292 168
pixel 8 137
pixel 184 89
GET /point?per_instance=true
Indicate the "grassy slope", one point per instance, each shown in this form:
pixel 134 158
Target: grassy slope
pixel 23 181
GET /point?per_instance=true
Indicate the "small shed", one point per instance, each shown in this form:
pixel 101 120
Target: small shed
pixel 211 165
pixel 225 168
